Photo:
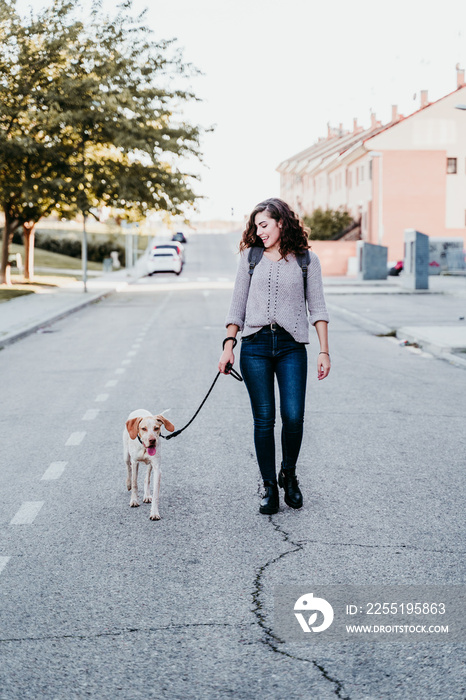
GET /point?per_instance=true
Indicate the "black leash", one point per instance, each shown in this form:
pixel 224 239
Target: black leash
pixel 232 372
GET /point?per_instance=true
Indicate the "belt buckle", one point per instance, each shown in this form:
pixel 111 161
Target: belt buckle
pixel 273 326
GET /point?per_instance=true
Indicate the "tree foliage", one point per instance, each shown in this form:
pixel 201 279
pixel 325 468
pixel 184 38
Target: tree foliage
pixel 324 224
pixel 89 116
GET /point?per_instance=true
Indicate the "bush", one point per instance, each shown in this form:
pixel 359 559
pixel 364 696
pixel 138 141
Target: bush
pixel 70 245
pixel 326 224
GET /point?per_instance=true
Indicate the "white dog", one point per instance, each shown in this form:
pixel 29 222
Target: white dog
pixel 141 438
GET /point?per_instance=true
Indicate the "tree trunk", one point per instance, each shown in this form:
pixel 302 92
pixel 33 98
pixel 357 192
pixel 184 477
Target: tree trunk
pixel 5 269
pixel 29 232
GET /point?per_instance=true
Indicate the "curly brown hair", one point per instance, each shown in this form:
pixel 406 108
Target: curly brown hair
pixel 293 238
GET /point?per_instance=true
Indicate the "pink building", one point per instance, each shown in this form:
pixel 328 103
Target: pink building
pixel 409 173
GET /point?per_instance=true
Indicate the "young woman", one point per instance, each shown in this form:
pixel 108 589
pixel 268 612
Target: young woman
pixel 269 307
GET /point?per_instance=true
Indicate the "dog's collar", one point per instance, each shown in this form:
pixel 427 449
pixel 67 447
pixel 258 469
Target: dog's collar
pixel 143 443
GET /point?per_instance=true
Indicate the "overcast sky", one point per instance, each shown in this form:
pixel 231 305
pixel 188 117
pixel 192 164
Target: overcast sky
pixel 276 71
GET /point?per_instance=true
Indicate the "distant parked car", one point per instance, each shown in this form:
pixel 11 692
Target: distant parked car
pixel 176 246
pixel 164 258
pixel 179 236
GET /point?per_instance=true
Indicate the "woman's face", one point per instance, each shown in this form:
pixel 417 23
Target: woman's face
pixel 268 230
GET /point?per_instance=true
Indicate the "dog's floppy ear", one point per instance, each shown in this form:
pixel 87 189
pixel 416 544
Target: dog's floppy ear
pixel 132 426
pixel 169 426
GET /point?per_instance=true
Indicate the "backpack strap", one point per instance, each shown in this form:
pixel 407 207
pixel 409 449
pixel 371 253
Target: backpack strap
pixel 254 258
pixel 303 260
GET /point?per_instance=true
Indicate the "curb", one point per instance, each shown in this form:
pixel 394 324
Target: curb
pixel 356 319
pixel 441 352
pixel 376 328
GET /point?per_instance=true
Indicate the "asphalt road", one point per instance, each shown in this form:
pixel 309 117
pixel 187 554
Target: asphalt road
pixel 98 601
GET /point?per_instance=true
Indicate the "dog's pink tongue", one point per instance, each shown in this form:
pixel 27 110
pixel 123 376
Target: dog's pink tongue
pixel 152 451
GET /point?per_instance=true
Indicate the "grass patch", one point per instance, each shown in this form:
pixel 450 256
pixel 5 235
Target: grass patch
pixel 9 293
pixel 44 258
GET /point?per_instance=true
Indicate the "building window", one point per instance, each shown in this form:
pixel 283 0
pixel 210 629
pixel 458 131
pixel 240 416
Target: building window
pixel 370 170
pixel 451 166
pixel 357 176
pixel 362 173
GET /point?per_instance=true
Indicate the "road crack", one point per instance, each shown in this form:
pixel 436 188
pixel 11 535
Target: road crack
pixel 271 639
pixel 118 632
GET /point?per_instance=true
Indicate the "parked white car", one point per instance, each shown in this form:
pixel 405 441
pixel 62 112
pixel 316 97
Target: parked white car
pixel 164 259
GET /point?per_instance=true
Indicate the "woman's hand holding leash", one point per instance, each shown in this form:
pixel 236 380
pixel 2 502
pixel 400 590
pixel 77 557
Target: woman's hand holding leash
pixel 227 358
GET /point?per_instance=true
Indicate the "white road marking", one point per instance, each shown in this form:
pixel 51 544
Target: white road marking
pixel 101 397
pixel 126 362
pixel 27 513
pixel 54 471
pixel 3 562
pixel 120 370
pixel 131 353
pixel 75 439
pixel 206 292
pixel 91 413
pixel 136 346
pixel 112 382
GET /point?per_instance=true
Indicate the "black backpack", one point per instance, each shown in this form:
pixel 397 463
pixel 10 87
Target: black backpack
pixel 303 260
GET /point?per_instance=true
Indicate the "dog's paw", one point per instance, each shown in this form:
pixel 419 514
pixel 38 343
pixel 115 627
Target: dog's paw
pixel 147 499
pixel 133 503
pixel 155 516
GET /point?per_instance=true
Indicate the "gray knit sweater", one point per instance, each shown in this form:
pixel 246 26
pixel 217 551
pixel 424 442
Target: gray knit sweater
pixel 276 295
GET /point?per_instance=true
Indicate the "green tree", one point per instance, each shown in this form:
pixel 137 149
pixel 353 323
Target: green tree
pixel 31 160
pixel 88 116
pixel 324 224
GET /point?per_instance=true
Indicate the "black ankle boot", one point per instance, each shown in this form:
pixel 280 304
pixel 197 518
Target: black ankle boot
pixel 288 481
pixel 269 504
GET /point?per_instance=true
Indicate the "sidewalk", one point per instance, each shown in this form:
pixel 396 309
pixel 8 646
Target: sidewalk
pixel 433 319
pixel 24 315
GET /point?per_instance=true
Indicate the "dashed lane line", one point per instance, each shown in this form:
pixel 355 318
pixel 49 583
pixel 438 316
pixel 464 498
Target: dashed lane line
pixel 27 513
pixel 120 370
pixel 54 471
pixel 75 439
pixel 102 397
pixel 91 414
pixel 126 362
pixel 112 382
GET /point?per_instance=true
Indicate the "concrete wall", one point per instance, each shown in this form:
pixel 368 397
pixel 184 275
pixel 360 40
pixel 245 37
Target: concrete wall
pixel 415 273
pixel 372 261
pixel 334 255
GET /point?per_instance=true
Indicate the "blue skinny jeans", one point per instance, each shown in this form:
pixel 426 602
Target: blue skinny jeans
pixel 264 355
